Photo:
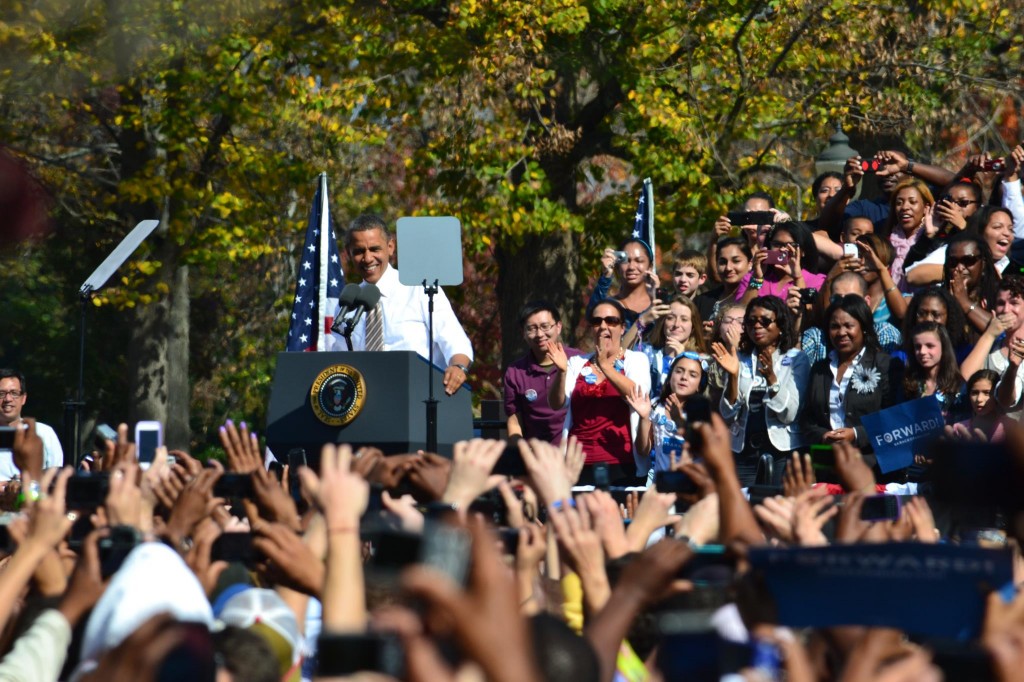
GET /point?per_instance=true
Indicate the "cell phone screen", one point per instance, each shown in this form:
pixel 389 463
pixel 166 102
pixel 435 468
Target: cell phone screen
pixel 146 444
pixel 880 508
pixel 370 652
pixel 823 457
pixel 751 217
pixel 674 482
pixel 6 437
pixel 233 547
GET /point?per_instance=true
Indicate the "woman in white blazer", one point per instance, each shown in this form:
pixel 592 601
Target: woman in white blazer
pixel 765 381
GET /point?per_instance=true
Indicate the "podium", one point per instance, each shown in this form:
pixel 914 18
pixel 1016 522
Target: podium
pixel 391 416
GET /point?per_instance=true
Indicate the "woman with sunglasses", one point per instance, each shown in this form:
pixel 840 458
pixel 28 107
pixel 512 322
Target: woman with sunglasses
pixel 596 388
pixel 680 329
pixel 765 380
pixel 851 382
pixel 993 223
pixel 970 275
pixel 661 424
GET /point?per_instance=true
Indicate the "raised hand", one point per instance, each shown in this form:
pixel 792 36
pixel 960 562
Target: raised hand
pixel 291 562
pixel 766 366
pixel 812 511
pixel 606 521
pixel 776 513
pixel 852 172
pixel 726 358
pixel 339 494
pixel 485 616
pixel 556 354
pixel 651 513
pixel 28 449
pixel 123 505
pixel 241 447
pixel 608 262
pixel 722 227
pixel 472 464
pixel 921 520
pixel 854 473
pixel 799 476
pixel 640 401
pixel 575 458
pixel 546 465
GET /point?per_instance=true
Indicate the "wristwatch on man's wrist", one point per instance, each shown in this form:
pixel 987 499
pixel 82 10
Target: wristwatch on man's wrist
pixel 464 368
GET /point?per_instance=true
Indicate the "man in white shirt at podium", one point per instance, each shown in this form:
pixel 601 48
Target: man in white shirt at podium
pixel 401 321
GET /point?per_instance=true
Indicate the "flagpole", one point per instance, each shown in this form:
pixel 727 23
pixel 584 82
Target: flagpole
pixel 325 235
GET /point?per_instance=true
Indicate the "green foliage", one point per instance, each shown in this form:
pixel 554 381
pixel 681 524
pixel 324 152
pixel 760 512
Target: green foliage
pixel 523 119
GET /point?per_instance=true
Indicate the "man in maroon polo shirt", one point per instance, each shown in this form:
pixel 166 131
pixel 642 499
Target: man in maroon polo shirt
pixel 527 379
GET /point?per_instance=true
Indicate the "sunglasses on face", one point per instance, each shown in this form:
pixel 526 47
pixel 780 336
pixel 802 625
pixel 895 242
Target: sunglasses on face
pixel 610 321
pixel 763 320
pixel 966 261
pixel 962 203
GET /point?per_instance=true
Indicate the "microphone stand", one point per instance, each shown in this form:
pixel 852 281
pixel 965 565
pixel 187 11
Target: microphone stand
pixel 431 401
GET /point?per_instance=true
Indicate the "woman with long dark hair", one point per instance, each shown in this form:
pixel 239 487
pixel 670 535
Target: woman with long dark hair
pixel 636 279
pixel 932 368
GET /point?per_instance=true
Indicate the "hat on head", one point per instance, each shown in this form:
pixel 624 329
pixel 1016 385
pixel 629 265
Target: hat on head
pixel 265 613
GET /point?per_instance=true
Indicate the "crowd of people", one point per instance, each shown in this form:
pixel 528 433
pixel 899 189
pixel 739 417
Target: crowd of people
pixel 618 534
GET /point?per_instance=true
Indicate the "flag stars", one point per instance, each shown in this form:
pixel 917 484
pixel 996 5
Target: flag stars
pixel 334 282
pixel 302 282
pixel 306 265
pixel 334 258
pixel 312 247
pixel 303 338
pixel 308 321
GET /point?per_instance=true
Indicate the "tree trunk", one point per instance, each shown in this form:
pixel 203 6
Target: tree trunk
pixel 158 361
pixel 544 267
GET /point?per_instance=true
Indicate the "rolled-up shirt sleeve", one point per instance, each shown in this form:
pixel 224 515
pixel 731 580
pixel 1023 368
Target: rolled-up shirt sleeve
pixel 39 654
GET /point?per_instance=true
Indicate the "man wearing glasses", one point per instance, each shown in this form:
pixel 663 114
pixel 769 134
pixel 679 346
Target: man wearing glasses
pixel 12 399
pixel 528 378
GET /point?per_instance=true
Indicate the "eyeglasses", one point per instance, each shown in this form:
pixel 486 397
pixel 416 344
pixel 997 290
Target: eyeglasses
pixel 732 320
pixel 543 328
pixel 962 203
pixel 610 321
pixel 755 320
pixel 967 261
pixel 13 394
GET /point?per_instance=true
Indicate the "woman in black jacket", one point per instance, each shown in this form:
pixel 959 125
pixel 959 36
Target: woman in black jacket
pixel 854 380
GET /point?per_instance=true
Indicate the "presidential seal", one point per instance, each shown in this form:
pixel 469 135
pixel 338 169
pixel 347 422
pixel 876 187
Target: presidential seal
pixel 338 395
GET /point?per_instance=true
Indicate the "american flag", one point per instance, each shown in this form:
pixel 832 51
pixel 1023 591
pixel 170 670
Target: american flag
pixel 319 281
pixel 643 221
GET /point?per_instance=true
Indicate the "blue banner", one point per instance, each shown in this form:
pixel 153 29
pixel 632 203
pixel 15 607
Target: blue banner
pixel 899 432
pixel 936 590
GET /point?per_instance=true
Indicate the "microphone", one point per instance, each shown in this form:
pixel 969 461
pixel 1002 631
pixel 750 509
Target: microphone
pixel 346 304
pixel 366 300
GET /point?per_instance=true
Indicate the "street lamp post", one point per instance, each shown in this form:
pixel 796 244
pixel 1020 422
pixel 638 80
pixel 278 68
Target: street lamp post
pixel 835 155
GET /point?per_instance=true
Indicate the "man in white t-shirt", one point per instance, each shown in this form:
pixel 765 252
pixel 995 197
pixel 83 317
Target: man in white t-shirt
pixel 12 399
